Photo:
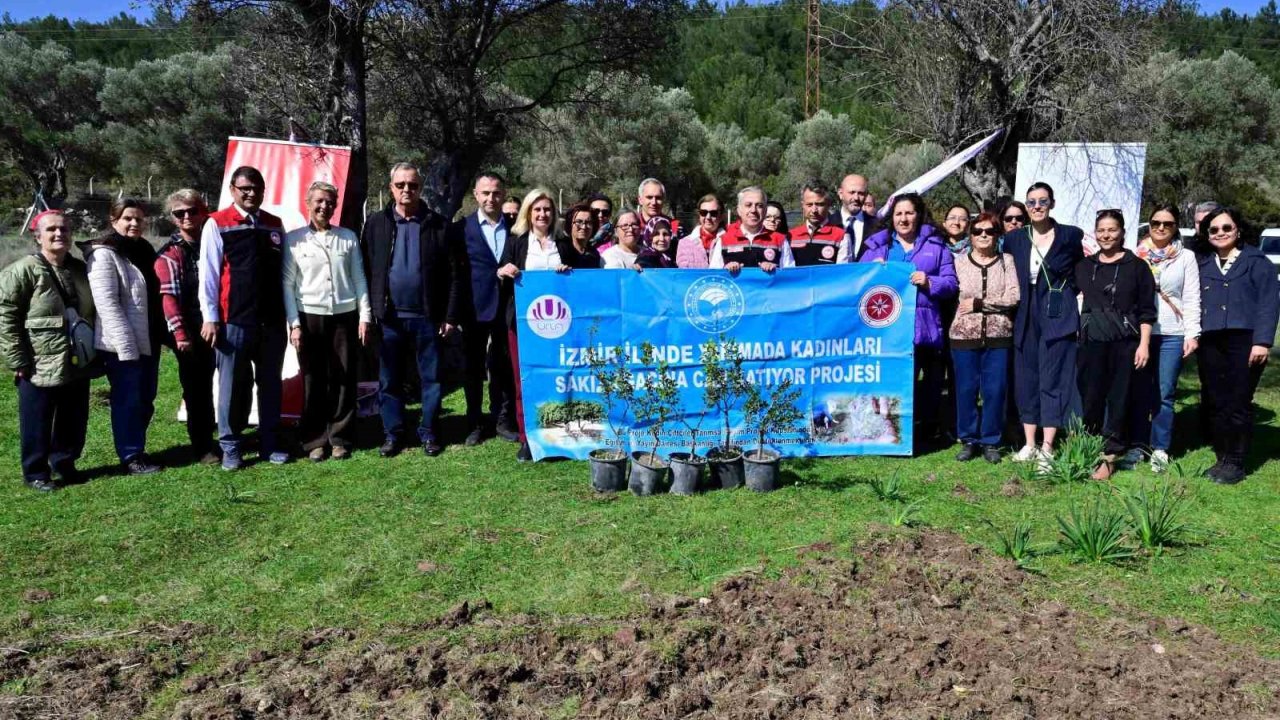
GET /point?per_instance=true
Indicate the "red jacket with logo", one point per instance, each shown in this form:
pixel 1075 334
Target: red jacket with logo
pixel 819 248
pixel 765 247
pixel 252 278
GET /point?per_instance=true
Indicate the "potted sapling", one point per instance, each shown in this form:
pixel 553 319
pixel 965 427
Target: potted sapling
pixel 687 467
pixel 771 414
pixel 653 406
pixel 613 380
pixel 724 386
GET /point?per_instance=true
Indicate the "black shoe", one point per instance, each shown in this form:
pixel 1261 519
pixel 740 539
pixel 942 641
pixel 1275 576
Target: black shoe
pixel 1215 471
pixel 390 448
pixel 431 448
pixel 474 438
pixel 991 454
pixel 67 474
pixel 40 484
pixel 508 432
pixel 968 452
pixel 1230 474
pixel 141 465
pixel 525 454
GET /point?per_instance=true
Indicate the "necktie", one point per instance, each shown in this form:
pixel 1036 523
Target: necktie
pixel 251 220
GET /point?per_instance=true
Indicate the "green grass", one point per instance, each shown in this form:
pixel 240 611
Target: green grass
pixel 272 551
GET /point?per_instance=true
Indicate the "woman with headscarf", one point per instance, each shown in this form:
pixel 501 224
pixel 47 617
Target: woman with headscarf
pixel 658 251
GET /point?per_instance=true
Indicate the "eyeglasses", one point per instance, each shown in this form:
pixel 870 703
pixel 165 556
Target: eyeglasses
pixel 246 189
pixel 404 185
pixel 599 211
pixel 181 213
pixel 1162 224
pixel 775 218
pixel 627 226
pixel 709 213
pixel 1039 203
pixel 979 232
pixel 582 223
pixel 1216 229
pixel 1015 218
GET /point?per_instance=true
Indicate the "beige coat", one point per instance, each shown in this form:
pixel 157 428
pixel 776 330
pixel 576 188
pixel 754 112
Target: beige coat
pixel 990 322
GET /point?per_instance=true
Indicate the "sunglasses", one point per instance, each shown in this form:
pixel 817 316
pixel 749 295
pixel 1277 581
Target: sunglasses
pixel 1015 218
pixel 1162 224
pixel 989 232
pixel 1039 203
pixel 1215 229
pixel 404 185
pixel 599 211
pixel 246 189
pixel 709 213
pixel 181 213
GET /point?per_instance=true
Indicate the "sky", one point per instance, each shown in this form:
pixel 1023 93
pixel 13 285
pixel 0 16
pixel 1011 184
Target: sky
pixel 98 10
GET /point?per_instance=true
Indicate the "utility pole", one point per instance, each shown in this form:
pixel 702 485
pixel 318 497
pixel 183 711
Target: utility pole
pixel 812 61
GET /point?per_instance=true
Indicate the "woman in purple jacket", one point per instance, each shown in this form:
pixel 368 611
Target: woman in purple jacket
pixel 909 239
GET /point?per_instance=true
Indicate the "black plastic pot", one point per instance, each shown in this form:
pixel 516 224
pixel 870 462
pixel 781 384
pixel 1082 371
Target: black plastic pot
pixel 686 473
pixel 762 470
pixel 608 470
pixel 645 479
pixel 726 468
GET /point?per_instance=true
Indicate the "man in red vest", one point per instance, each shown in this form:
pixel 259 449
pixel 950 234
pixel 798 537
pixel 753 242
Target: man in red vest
pixel 746 243
pixel 242 301
pixel 818 241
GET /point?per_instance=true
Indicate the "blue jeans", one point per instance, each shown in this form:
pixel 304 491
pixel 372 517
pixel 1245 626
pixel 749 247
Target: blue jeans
pixel 981 373
pixel 1154 396
pixel 249 355
pixel 133 398
pixel 400 336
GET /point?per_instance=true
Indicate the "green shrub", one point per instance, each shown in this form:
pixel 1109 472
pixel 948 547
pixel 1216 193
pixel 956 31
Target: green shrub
pixel 1016 543
pixel 1095 533
pixel 888 488
pixel 1156 515
pixel 1076 457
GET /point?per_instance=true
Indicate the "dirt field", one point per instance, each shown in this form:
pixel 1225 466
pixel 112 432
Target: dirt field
pixel 918 625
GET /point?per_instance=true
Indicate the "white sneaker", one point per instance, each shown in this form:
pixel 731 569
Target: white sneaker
pixel 1130 459
pixel 1044 461
pixel 1026 454
pixel 1159 461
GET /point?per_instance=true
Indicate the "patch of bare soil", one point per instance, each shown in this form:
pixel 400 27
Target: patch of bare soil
pixel 908 626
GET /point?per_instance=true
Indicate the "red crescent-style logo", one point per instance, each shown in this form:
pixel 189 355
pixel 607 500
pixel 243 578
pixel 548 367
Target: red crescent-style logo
pixel 768 254
pixel 881 306
pixel 828 251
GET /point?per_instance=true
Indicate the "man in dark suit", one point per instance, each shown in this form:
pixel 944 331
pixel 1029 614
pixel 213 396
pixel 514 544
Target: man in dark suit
pixel 857 223
pixel 416 275
pixel 484 334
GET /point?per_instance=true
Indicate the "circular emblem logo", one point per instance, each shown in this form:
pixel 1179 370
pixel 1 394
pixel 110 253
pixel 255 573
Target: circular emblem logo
pixel 549 316
pixel 828 252
pixel 881 306
pixel 714 304
pixel 769 254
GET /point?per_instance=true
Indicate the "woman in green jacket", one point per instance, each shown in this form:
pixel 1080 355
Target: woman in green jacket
pixel 53 391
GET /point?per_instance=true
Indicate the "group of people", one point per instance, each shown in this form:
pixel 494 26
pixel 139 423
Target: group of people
pixel 1006 298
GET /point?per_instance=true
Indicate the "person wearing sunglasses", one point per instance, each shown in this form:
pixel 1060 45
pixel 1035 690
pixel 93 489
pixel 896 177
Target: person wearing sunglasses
pixel 910 239
pixel 1013 216
pixel 1116 316
pixel 694 249
pixel 1174 336
pixel 177 269
pixel 816 241
pixel 242 305
pixel 982 339
pixel 1047 323
pixel 41 294
pixel 1239 309
pixel 417 277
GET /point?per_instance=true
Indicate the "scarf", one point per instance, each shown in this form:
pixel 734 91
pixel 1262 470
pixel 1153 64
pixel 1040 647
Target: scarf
pixel 708 239
pixel 1158 257
pixel 958 248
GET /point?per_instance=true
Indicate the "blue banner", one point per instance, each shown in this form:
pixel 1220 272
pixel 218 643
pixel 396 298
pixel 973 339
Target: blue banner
pixel 841 334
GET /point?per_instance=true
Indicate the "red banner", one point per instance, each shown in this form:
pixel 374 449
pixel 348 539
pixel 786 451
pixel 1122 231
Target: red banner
pixel 289 169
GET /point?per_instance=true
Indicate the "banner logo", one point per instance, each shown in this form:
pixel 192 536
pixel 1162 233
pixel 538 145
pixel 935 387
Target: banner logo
pixel 549 316
pixel 713 304
pixel 881 306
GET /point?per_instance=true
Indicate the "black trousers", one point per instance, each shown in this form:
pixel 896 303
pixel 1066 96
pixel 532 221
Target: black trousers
pixel 52 422
pixel 486 348
pixel 195 373
pixel 1227 384
pixel 328 360
pixel 1104 374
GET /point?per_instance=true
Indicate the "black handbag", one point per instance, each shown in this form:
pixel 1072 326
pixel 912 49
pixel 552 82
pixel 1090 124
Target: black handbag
pixel 1107 324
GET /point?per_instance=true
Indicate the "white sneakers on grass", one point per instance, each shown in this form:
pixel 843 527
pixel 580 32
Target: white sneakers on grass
pixel 1159 461
pixel 1030 453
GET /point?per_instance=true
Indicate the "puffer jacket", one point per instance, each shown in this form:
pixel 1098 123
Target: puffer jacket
pixel 33 330
pixel 120 296
pixel 931 257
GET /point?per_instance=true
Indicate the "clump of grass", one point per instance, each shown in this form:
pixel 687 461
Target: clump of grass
pixel 905 514
pixel 1095 532
pixel 1157 515
pixel 1076 457
pixel 1014 544
pixel 1184 469
pixel 236 495
pixel 888 488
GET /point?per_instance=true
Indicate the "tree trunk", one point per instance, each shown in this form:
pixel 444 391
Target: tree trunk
pixel 353 103
pixel 50 181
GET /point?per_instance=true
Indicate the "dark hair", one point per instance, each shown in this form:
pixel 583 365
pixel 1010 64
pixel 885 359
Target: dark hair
pixel 782 224
pixel 491 175
pixel 249 173
pixel 119 205
pixel 1171 209
pixel 1202 232
pixel 581 207
pixel 1041 186
pixel 598 196
pixel 965 208
pixel 1112 213
pixel 917 202
pixel 1026 217
pixel 816 187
